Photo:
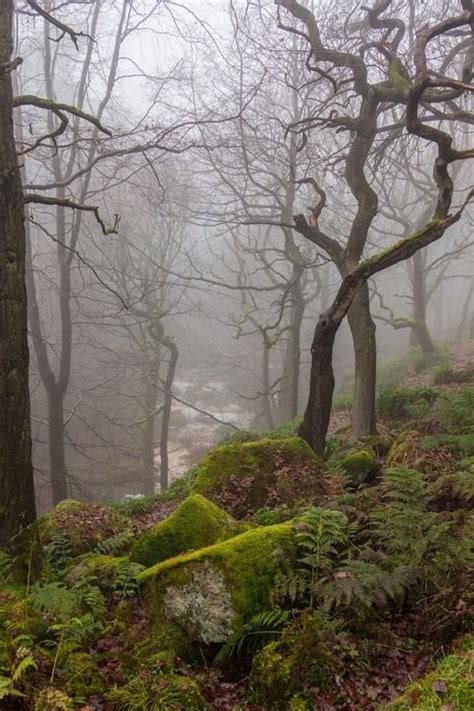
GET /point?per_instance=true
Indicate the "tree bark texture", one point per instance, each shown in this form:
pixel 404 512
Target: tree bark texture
pixel 17 501
pixel 365 349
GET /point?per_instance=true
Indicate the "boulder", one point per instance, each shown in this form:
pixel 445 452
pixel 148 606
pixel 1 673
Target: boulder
pixel 195 523
pixel 81 525
pixel 360 467
pixel 246 476
pixel 212 592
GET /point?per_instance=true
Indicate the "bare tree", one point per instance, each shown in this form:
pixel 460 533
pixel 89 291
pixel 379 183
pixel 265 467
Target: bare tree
pixel 427 88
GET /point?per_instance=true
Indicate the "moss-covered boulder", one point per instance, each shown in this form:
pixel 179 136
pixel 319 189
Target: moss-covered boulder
pixel 212 592
pixel 82 526
pixel 244 477
pixel 307 656
pixel 360 467
pixel 196 523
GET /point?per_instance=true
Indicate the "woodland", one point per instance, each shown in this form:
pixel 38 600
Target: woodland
pixel 236 355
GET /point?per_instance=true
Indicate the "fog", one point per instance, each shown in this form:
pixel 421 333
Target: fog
pixel 183 307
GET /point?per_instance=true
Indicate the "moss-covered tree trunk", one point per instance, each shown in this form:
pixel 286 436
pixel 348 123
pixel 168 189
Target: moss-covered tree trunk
pixel 17 501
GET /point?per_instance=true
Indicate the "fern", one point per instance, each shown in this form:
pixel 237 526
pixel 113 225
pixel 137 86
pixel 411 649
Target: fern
pixel 7 688
pixel 115 544
pixel 408 487
pixel 322 535
pixel 6 567
pixel 27 662
pixel 59 551
pixel 54 599
pixel 125 582
pixel 262 628
pixel 360 587
pixel 156 691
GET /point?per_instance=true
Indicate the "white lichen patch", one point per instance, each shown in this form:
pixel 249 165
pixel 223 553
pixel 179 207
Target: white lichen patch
pixel 203 605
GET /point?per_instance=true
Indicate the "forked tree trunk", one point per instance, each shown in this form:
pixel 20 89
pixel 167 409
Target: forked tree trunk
pixel 17 499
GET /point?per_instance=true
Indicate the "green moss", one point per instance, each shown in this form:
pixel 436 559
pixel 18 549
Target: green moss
pixel 81 677
pixel 310 652
pixel 197 522
pixel 246 476
pixel 156 635
pixel 398 75
pixel 449 686
pixel 212 592
pixel 367 265
pixel 360 467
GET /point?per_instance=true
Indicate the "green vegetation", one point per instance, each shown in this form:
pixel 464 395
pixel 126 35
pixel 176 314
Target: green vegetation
pixel 247 476
pixel 395 403
pixel 360 467
pixel 215 590
pixel 449 686
pixel 196 523
pixel 335 568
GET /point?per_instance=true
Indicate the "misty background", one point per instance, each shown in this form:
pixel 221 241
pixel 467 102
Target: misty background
pixel 195 316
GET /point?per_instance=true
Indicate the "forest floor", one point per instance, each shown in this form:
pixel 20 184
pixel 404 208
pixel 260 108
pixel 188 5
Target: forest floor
pixel 364 601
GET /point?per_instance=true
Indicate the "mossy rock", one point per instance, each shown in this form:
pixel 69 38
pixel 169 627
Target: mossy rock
pixel 449 686
pixel 244 477
pixel 211 593
pixel 307 656
pixel 83 525
pixel 360 467
pixel 196 523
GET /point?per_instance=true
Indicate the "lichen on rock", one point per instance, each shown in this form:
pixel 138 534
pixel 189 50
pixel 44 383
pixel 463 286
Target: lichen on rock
pixel 205 602
pixel 212 592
